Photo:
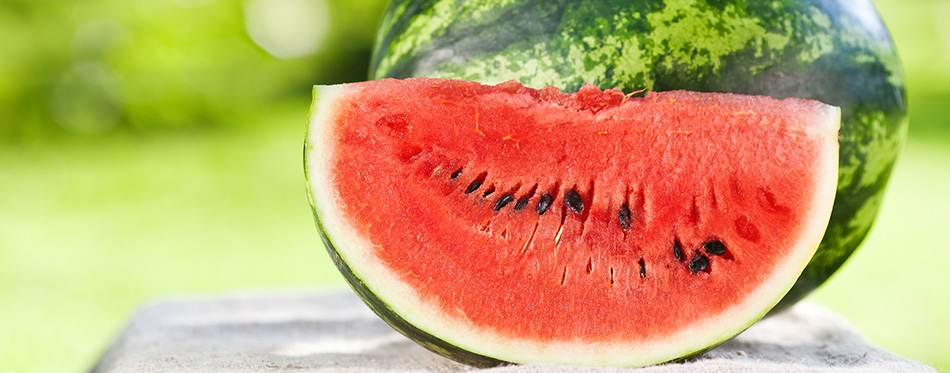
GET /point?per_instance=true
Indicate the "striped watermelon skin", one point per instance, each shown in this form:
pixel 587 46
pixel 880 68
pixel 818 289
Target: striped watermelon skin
pixel 834 51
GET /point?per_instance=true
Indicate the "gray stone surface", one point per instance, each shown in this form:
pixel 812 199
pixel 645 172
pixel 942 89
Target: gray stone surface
pixel 321 331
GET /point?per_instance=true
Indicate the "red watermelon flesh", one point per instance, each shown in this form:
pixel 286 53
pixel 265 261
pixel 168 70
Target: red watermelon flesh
pixel 590 228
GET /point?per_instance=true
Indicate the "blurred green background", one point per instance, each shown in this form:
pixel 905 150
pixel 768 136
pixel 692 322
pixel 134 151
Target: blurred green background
pixel 153 147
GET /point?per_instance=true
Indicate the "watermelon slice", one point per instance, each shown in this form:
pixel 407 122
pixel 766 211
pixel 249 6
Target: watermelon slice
pixel 505 224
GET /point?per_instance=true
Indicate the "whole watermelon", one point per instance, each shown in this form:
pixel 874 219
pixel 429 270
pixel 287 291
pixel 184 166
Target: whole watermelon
pixel 834 51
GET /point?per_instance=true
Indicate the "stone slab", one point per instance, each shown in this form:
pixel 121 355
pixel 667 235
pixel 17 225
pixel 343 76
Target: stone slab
pixel 333 331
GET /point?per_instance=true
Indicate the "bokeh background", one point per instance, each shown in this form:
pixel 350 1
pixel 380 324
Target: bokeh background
pixel 152 148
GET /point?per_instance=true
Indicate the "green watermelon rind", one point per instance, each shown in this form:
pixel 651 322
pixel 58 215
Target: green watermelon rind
pixel 837 52
pixel 407 313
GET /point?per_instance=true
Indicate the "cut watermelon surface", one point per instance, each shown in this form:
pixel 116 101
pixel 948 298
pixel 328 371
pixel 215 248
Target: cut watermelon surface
pixel 506 224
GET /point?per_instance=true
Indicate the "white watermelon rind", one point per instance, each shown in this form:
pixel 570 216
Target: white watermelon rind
pixel 406 311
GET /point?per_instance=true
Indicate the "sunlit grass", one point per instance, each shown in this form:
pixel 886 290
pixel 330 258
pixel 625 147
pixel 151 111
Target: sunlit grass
pixel 141 217
pixel 895 287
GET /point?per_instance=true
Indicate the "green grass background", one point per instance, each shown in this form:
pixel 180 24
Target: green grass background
pixel 94 224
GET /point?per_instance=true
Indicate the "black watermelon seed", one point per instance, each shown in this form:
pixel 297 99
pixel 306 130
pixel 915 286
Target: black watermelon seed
pixel 714 247
pixel 473 187
pixel 504 200
pixel 489 191
pixel 456 174
pixel 574 201
pixel 699 263
pixel 522 203
pixel 643 268
pixel 624 216
pixel 545 202
pixel 678 250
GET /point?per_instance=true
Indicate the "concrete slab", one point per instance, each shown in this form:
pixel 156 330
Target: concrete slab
pixel 330 331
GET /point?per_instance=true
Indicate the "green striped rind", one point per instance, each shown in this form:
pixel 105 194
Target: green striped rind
pixel 834 51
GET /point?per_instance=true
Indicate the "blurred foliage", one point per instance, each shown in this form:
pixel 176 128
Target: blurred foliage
pixel 99 66
pixel 93 67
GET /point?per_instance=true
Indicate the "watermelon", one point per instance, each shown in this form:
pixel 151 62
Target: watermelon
pixel 834 51
pixel 506 224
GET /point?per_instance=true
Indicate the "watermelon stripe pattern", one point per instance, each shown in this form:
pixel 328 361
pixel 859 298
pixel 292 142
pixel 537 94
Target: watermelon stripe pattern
pixel 834 51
